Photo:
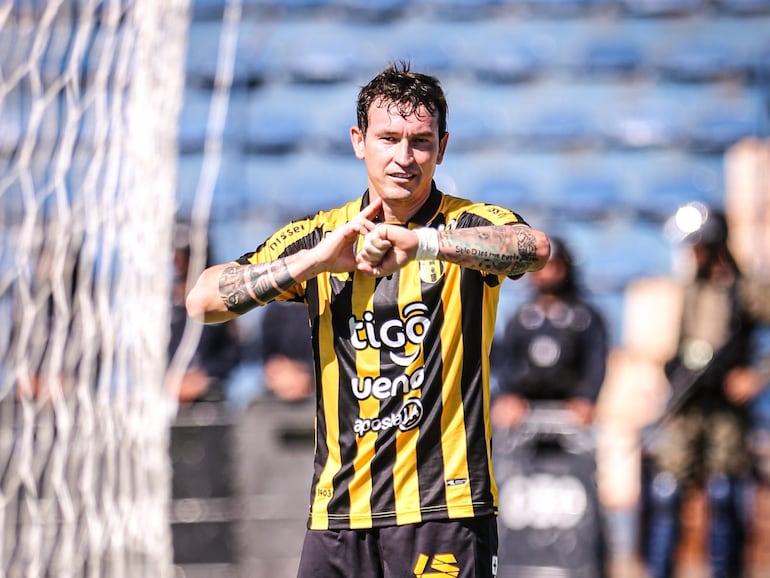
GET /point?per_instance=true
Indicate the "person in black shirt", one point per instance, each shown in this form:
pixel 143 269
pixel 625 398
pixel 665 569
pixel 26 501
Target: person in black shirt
pixel 287 354
pixel 554 347
pixel 217 352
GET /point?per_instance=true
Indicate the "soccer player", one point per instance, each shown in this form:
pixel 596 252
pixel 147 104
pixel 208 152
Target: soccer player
pixel 401 286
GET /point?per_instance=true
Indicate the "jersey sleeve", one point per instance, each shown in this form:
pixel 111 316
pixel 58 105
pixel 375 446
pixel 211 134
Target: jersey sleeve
pixel 484 214
pixel 291 238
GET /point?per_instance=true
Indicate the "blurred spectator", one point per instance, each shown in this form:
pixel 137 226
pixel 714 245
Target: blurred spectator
pixel 554 347
pixel 755 380
pixel 287 354
pixel 217 352
pixel 550 365
pixel 756 296
pixel 703 437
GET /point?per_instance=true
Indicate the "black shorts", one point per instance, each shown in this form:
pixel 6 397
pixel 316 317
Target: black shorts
pixel 465 548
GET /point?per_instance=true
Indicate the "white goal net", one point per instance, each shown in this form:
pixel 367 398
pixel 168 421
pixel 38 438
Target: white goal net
pixel 89 98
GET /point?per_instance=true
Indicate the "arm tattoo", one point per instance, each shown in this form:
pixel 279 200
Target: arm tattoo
pixel 244 287
pixel 501 250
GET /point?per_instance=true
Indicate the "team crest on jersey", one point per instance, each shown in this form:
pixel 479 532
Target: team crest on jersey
pixel 431 271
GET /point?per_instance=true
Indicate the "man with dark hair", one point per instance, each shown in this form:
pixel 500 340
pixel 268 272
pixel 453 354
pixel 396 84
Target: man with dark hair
pixel 401 286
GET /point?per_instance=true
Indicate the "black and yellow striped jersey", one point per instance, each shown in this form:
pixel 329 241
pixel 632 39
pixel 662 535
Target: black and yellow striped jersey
pixel 402 371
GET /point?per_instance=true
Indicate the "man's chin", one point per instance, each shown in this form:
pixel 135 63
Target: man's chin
pixel 395 194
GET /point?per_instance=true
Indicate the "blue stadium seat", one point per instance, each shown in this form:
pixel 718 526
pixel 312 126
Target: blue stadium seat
pixel 715 132
pixel 612 57
pixel 664 195
pixel 424 54
pixel 744 7
pixel 294 8
pixel 664 8
pixel 188 174
pixel 472 130
pixel 203 56
pixel 329 110
pixel 333 130
pixel 212 9
pixel 462 10
pixel 761 67
pixel 507 61
pixel 559 128
pixel 643 125
pixel 524 183
pixel 507 191
pixel 298 185
pixel 588 197
pixel 323 64
pixel 193 120
pixel 271 132
pixel 568 8
pixel 629 251
pixel 702 61
pixel 320 51
pixel 230 191
pixel 278 121
pixel 374 10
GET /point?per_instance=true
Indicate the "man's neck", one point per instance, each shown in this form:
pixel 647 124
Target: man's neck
pixel 402 211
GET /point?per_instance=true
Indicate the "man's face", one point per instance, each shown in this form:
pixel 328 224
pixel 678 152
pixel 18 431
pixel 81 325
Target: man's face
pixel 400 153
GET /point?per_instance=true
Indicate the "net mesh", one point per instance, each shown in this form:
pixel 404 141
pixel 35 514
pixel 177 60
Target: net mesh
pixel 90 93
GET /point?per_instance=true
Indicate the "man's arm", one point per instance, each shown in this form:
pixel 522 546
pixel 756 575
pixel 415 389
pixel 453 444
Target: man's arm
pixel 502 250
pixel 499 249
pixel 226 291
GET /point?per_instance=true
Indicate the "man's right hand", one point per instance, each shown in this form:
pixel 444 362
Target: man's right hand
pixel 336 252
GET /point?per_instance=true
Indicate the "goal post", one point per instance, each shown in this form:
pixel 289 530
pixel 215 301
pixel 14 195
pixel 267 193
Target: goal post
pixel 90 94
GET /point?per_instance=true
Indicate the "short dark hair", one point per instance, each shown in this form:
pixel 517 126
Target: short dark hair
pixel 407 91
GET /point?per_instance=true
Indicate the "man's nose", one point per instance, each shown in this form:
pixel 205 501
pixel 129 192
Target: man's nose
pixel 404 154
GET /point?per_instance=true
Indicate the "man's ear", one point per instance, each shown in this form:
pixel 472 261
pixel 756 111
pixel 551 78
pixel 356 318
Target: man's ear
pixel 357 139
pixel 442 148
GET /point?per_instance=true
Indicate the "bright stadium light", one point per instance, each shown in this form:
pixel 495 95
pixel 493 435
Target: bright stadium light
pixel 690 217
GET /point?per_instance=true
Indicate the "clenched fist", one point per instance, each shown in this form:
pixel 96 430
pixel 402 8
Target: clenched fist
pixel 385 249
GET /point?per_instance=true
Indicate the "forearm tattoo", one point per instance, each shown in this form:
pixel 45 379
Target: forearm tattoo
pixel 244 287
pixel 499 250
